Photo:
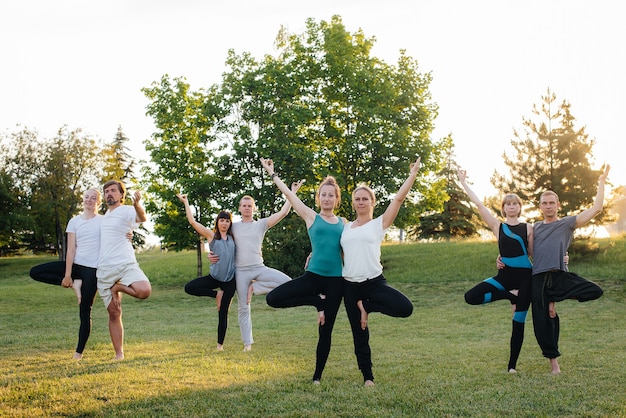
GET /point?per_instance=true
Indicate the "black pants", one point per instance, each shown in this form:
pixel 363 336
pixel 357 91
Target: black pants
pixel 53 273
pixel 497 288
pixel 305 291
pixel 556 286
pixel 377 296
pixel 205 286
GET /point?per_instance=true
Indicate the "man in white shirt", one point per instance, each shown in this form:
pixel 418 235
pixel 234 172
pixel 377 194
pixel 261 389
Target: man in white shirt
pixel 118 271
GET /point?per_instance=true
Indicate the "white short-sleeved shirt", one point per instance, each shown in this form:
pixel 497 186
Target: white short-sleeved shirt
pixel 87 232
pixel 115 248
pixel 361 250
pixel 248 241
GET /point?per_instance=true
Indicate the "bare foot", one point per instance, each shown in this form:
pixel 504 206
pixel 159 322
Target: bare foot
pixel 119 357
pixel 76 285
pixel 554 365
pixel 368 383
pixel 78 356
pixel 321 318
pixel 218 299
pixel 363 317
pixel 552 309
pixel 247 347
pixel 512 371
pixel 250 291
pixel 220 347
pixel 316 382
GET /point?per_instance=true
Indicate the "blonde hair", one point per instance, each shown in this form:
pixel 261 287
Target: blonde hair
pixel 329 181
pixel 367 189
pixel 549 193
pixel 508 198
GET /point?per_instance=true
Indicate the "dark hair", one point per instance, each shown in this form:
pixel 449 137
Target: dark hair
pixel 120 186
pixel 224 214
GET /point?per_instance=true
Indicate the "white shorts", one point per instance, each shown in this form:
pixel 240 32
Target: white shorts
pixel 125 274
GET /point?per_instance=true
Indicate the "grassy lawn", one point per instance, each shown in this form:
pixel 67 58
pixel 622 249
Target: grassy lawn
pixel 447 360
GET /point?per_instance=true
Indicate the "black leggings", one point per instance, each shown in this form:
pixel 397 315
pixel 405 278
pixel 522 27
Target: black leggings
pixel 377 296
pixel 205 286
pixel 554 287
pixel 53 273
pixel 498 288
pixel 305 291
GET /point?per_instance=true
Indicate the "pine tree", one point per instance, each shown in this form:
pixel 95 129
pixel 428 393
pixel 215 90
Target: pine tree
pixel 553 155
pixel 458 218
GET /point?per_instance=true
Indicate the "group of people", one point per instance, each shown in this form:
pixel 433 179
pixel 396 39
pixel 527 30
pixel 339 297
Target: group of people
pixel 344 264
pixel 542 282
pixel 100 256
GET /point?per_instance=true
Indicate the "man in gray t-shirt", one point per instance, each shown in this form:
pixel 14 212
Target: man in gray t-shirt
pixel 551 280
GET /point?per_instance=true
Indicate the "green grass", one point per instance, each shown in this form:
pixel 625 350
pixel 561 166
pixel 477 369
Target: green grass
pixel 447 360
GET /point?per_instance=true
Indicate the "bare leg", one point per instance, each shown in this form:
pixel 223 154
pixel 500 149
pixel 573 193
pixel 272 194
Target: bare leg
pixel 359 303
pixel 139 290
pixel 116 328
pixel 554 365
pixel 76 285
pixel 218 299
pixel 250 290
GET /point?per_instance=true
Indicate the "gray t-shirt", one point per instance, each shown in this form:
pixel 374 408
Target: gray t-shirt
pixel 551 243
pixel 248 240
pixel 224 269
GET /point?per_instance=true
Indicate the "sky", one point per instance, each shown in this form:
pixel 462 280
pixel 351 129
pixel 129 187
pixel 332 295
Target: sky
pixel 83 64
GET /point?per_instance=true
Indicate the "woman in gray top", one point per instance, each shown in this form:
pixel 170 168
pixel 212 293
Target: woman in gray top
pixel 222 273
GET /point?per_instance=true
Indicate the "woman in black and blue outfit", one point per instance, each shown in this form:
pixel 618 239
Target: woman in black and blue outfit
pixel 513 282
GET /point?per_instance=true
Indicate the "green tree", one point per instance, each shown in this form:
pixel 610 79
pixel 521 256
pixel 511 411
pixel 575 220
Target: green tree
pixel 551 154
pixel 183 156
pixel 321 106
pixel 49 176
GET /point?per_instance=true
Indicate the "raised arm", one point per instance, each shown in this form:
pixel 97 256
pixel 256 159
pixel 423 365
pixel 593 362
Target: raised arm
pixel 488 217
pixel 305 212
pixel 588 214
pixel 139 210
pixel 394 206
pixel 201 229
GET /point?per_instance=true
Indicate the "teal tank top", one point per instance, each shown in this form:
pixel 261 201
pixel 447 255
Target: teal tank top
pixel 325 242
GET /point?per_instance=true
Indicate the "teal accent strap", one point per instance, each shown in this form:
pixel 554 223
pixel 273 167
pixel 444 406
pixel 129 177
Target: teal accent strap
pixel 520 316
pixel 495 284
pixel 520 261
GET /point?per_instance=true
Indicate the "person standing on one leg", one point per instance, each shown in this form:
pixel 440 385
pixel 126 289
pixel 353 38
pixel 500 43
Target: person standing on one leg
pixel 515 242
pixel 222 274
pixel 118 271
pixel 252 276
pixel 366 289
pixel 78 271
pixel 551 281
pixel 322 284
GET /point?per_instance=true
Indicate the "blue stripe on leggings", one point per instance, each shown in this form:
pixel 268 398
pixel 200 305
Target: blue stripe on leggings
pixel 520 316
pixel 495 284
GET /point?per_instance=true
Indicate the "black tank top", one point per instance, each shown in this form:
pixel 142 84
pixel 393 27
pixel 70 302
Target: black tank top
pixel 511 247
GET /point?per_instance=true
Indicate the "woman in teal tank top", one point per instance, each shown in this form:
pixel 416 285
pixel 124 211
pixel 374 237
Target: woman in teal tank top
pixel 322 284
